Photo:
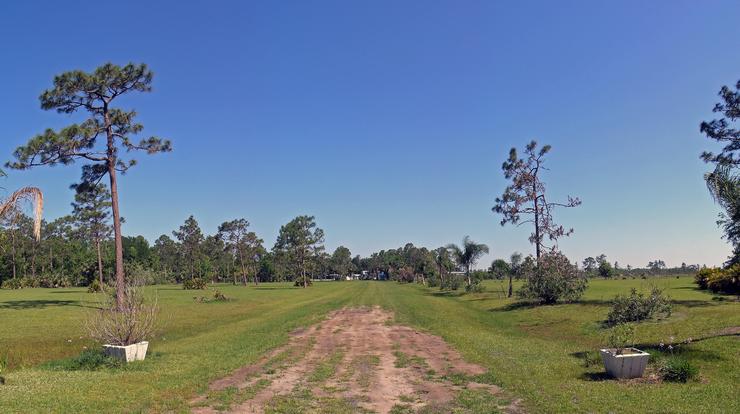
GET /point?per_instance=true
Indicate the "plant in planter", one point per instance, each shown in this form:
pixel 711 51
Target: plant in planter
pixel 123 330
pixel 621 359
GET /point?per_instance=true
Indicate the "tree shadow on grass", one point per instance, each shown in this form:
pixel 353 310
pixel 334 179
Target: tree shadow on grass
pixel 40 304
pixel 275 287
pixel 446 293
pixel 596 376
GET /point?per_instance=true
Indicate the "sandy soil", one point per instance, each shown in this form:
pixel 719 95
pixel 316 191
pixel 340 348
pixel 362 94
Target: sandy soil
pixel 359 356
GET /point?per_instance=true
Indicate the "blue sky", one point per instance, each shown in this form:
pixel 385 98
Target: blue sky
pixel 389 120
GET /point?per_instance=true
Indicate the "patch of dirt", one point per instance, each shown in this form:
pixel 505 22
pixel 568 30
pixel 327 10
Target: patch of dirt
pixel 358 357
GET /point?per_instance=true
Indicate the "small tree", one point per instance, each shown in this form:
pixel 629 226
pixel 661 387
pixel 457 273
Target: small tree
pixel 554 278
pixel 444 265
pixel 94 93
pixel 190 237
pixel 516 268
pixel 606 270
pixel 300 243
pixel 242 244
pixel 526 196
pixel 589 264
pixel 467 255
pixel 91 212
pixel 341 261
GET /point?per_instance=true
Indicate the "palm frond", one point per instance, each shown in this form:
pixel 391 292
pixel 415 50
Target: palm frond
pixel 26 193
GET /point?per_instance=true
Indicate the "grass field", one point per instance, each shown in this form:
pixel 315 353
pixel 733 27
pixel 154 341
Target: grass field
pixel 534 353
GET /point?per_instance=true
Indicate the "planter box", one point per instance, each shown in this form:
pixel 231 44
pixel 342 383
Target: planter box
pixel 630 364
pixel 128 353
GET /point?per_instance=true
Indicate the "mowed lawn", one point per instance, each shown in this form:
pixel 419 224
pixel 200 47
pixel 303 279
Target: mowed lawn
pixel 535 353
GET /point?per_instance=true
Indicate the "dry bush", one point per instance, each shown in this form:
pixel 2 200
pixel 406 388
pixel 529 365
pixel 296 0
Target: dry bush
pixel 133 322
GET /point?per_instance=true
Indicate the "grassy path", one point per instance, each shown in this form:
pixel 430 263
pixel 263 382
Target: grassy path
pixel 533 353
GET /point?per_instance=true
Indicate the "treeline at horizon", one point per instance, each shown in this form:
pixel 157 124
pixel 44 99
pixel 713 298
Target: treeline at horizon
pixel 67 255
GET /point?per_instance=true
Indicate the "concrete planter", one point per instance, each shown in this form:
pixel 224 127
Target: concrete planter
pixel 630 364
pixel 128 353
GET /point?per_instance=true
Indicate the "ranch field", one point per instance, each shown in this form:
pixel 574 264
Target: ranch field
pixel 345 347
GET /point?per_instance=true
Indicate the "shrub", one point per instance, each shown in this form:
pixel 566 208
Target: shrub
pixel 3 367
pixel 88 360
pixel 605 269
pixel 133 322
pixel 451 282
pixel 725 281
pixel 553 278
pixel 15 283
pixel 621 337
pixel 95 287
pixel 701 278
pixel 677 369
pixel 52 280
pixel 195 283
pixel 638 307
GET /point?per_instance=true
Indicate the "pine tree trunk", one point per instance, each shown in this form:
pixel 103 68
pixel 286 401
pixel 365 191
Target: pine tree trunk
pixel 100 262
pixel 244 269
pixel 510 284
pixel 13 248
pixel 118 239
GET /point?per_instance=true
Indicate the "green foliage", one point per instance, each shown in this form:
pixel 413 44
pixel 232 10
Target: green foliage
pixel 16 283
pixel 3 367
pixel 605 269
pixel 195 283
pixel 638 307
pixel 95 287
pixel 676 368
pixel 87 360
pixel 620 337
pixel 300 244
pixel 525 196
pixel 452 282
pixel 552 279
pixel 717 280
pixel 726 281
pixel 702 276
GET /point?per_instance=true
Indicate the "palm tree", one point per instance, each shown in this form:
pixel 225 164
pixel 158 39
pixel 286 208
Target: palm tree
pixel 467 255
pixel 724 186
pixel 25 193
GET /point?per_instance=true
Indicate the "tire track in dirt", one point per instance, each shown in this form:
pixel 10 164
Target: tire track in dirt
pixel 358 359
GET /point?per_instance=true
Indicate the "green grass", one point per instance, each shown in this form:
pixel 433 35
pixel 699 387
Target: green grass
pixel 534 353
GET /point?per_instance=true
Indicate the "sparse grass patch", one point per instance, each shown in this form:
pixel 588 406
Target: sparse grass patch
pixel 327 368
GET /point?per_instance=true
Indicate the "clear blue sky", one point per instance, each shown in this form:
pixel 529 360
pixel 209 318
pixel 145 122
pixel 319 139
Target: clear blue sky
pixel 389 120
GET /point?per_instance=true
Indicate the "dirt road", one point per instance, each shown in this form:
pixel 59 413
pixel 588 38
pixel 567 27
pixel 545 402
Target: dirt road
pixel 357 361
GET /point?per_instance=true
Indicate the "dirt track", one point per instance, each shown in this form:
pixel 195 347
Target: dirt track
pixel 355 361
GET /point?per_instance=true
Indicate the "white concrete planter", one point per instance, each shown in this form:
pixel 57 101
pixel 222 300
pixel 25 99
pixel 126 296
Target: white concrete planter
pixel 128 353
pixel 630 364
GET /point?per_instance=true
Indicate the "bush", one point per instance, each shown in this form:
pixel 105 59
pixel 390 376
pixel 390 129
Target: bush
pixel 677 369
pixel 606 270
pixel 15 283
pixel 451 282
pixel 620 337
pixel 701 278
pixel 88 360
pixel 725 281
pixel 195 283
pixel 3 367
pixel 638 307
pixel 52 280
pixel 133 322
pixel 553 278
pixel 95 287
